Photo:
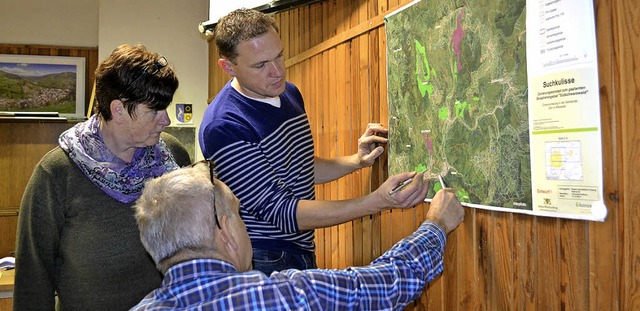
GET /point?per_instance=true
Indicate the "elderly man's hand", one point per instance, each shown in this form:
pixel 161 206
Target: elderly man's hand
pixel 446 210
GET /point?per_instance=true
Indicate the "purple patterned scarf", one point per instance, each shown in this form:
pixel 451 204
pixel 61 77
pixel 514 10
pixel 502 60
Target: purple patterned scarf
pixel 120 180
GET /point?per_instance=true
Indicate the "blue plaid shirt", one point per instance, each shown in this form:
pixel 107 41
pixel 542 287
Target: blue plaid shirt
pixel 389 283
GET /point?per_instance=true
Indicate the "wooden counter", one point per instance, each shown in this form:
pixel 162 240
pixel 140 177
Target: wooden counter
pixel 6 282
pixel 6 289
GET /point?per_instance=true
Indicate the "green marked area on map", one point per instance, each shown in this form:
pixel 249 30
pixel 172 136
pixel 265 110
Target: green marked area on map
pixel 457 92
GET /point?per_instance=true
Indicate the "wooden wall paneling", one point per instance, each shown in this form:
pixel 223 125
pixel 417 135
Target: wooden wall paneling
pixel 627 56
pixel 347 245
pixel 351 18
pixel 483 276
pixel 330 21
pixel 369 106
pixel 23 145
pixel 604 258
pixel 393 3
pixel 331 139
pixel 548 291
pixel 351 14
pixel 501 260
pixel 375 100
pixel 6 303
pixel 367 239
pixel 293 47
pixel 8 225
pixel 360 61
pixel 320 148
pixel 358 13
pixel 319 139
pixel 379 168
pixel 340 139
pixel 326 12
pixel 462 246
pixel 296 28
pixel 396 222
pixel 363 27
pixel 353 186
pixel 345 143
pixel 356 114
pixel 525 263
pixel 305 33
pixel 382 7
pixel 574 281
pixel 315 104
pixel 285 33
pixel 315 25
pixel 341 12
pixel 297 19
pixel 367 175
pixel 331 127
pixel 324 148
pixel 360 117
pixel 281 31
pixel 336 239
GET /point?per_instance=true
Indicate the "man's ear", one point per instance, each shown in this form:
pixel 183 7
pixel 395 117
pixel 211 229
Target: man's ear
pixel 228 235
pixel 117 110
pixel 227 66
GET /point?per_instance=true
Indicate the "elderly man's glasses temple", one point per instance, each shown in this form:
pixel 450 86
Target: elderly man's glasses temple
pixel 211 166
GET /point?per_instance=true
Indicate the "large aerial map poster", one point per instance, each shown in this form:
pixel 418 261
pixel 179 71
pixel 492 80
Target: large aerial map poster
pixel 457 91
pixel 499 101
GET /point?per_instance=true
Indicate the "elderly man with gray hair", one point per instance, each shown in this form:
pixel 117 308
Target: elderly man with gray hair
pixel 190 224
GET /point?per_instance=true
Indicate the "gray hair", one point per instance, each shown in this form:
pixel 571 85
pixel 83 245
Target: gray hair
pixel 175 213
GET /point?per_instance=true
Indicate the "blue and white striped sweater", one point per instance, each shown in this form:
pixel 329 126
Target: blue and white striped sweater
pixel 265 155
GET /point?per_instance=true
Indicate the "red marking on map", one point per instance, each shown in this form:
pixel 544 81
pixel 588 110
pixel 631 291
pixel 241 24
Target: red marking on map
pixel 456 39
pixel 428 142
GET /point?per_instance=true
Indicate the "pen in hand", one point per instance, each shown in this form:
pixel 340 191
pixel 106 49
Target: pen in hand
pixel 403 184
pixel 441 182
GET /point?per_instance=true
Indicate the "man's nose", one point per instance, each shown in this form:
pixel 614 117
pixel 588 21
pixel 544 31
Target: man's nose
pixel 276 70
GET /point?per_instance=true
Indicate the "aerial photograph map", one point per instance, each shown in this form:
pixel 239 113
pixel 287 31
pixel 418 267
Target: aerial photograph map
pixel 457 92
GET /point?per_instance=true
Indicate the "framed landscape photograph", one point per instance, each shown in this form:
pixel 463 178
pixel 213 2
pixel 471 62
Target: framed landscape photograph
pixel 42 85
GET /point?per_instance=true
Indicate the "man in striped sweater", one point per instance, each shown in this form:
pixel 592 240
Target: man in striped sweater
pixel 257 132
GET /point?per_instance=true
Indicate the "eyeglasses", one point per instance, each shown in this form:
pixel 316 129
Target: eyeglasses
pixel 156 66
pixel 153 68
pixel 211 174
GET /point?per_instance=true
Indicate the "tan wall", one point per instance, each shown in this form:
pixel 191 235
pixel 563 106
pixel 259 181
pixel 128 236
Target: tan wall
pixel 495 260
